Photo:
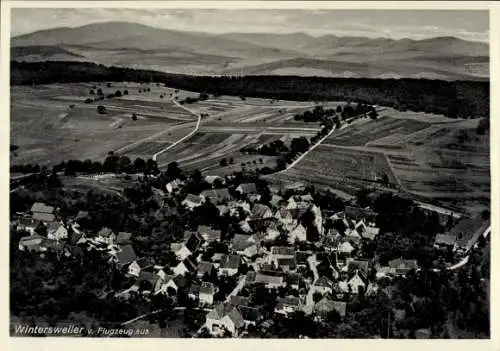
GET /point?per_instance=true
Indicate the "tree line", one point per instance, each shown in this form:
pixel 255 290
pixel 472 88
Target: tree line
pixel 456 99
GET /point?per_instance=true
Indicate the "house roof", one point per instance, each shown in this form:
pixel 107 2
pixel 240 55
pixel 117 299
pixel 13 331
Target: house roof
pixel 193 242
pixel 291 301
pixel 205 267
pixel 194 289
pixel 259 210
pixel 44 217
pixel 54 226
pixel 301 257
pixel 144 262
pixel 275 200
pixel 126 254
pixel 105 232
pixel 345 246
pixel 216 193
pixel 31 240
pixel 226 309
pixel 123 238
pixel 42 208
pixel 29 222
pixel 360 265
pixel 283 250
pixel 284 212
pixel 188 233
pixel 269 278
pixel 207 288
pixel 189 264
pixel 358 213
pixel 230 261
pixel 293 278
pixel 237 300
pixel 323 282
pixel 288 261
pixel 361 275
pixel 81 215
pixel 326 304
pixel 445 239
pixel 261 224
pixel 73 237
pixel 148 276
pixel 468 231
pixel 249 314
pixel 402 264
pixel 241 241
pixel 370 232
pixel 193 198
pixel 248 188
pixel 208 233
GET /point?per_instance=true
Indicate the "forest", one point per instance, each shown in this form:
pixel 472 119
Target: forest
pixel 456 99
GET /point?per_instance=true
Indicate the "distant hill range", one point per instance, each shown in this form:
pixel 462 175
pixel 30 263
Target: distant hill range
pixel 140 46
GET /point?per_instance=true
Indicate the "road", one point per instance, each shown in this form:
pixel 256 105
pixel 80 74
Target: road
pixel 190 134
pixel 142 316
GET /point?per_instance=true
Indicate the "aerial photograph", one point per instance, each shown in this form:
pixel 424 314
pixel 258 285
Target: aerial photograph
pixel 249 173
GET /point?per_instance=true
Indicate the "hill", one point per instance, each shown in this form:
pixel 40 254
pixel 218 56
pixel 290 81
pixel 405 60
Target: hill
pixel 141 46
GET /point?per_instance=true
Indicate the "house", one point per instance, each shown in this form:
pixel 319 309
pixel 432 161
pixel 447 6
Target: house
pixel 247 188
pixel 322 285
pixel 245 227
pixel 139 265
pixel 28 224
pixel 286 264
pixel 301 258
pixel 370 232
pixel 357 214
pixel 345 248
pixel 260 211
pixel 194 291
pixel 147 282
pixel 56 231
pixel 385 272
pixel 402 266
pixel 359 265
pixel 208 234
pixel 298 233
pixel 444 241
pixel 224 317
pixel 356 281
pixel 284 215
pixel 281 252
pixel 184 267
pixel 272 232
pixel 81 215
pixel 205 268
pixel 229 264
pixel 123 238
pixel 189 247
pixel 239 301
pixel 276 200
pixel 192 201
pixel 173 186
pixel 223 209
pixel 43 213
pixel 251 315
pixel 211 179
pixel 216 196
pixel 32 243
pixel 170 284
pixel 245 245
pixel 332 240
pixel 270 279
pixel 287 305
pixel 467 232
pixel 105 236
pixel 327 305
pixel 291 204
pixel 293 280
pixel 124 256
pixel 46 218
pixel 206 294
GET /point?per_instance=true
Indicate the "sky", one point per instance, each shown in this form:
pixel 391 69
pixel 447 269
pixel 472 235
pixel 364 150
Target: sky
pixel 395 24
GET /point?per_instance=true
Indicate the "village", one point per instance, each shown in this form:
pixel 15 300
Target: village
pixel 287 253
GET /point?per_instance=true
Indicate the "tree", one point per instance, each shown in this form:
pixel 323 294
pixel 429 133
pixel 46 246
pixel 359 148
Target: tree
pixel 99 92
pixel 118 93
pixel 223 162
pixel 89 101
pixel 373 113
pixel 134 117
pixel 125 92
pixel 92 92
pixel 317 296
pixel 108 85
pixel 101 109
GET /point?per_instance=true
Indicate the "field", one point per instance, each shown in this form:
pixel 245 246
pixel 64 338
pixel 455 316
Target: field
pixel 52 123
pixel 427 156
